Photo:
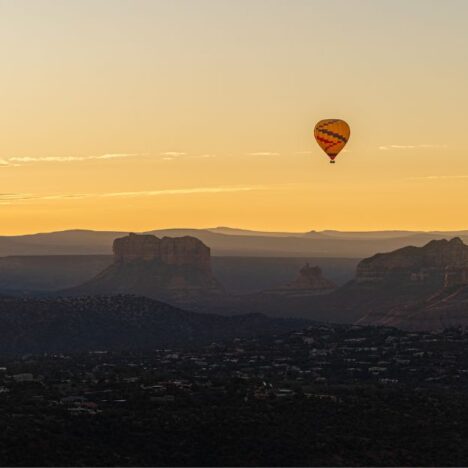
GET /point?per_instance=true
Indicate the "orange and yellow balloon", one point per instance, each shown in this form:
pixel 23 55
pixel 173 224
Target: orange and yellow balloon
pixel 332 136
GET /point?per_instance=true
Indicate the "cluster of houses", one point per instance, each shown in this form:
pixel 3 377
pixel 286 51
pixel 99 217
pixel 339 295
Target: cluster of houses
pixel 307 364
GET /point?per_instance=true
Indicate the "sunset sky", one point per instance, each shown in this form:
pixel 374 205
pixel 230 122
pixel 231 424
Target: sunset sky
pixel 143 114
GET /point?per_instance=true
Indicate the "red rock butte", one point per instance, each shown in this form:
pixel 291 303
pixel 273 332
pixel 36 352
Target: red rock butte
pixel 438 258
pixel 175 251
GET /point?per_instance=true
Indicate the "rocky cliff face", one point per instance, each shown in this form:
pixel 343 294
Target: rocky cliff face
pixel 455 276
pixel 421 288
pixel 415 264
pixel 429 286
pixel 446 308
pixel 175 251
pixel 172 269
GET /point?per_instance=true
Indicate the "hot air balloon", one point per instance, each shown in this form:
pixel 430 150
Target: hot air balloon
pixel 332 136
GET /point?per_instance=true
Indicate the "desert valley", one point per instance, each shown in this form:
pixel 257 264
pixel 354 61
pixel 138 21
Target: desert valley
pixel 164 336
pixel 420 288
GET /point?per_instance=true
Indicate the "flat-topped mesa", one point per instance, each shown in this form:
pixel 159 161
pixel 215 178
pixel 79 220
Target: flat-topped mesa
pixel 415 264
pixel 136 247
pixel 176 269
pixel 176 251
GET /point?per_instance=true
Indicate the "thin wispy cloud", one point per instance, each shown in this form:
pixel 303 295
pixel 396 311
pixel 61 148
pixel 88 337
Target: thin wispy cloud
pixel 15 161
pixel 12 198
pixel 263 153
pixel 438 177
pixel 6 163
pixel 205 156
pixel 409 147
pixel 173 154
pixel 19 160
pixel 15 196
pixel 188 191
pixel 119 155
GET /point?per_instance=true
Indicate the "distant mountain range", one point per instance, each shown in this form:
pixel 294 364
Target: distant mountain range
pixel 225 241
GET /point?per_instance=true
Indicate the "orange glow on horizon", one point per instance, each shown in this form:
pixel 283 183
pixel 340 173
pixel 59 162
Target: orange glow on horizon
pixel 112 118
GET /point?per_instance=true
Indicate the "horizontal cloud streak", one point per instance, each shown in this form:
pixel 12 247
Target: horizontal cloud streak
pixel 263 153
pixel 408 147
pixel 29 159
pixel 16 196
pixel 438 177
pixel 205 156
pixel 152 193
pixel 10 198
pixel 173 154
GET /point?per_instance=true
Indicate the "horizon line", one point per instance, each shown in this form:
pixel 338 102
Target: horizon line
pixel 146 231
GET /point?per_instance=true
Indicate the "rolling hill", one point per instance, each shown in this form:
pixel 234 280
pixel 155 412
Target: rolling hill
pixel 117 323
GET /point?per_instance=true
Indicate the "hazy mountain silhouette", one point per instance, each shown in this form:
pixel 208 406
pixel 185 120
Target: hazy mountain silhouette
pixel 232 242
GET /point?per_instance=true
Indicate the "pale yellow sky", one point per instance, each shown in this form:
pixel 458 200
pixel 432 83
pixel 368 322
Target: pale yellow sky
pixel 142 114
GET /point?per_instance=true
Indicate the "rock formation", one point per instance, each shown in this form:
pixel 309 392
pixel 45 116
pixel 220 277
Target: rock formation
pixel 429 286
pixel 423 265
pixel 176 251
pixel 173 269
pixel 444 309
pixel 310 278
pixel 309 281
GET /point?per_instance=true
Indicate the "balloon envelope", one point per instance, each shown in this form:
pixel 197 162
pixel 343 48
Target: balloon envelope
pixel 332 136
